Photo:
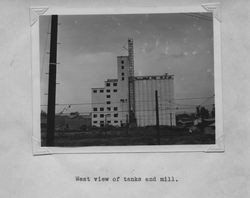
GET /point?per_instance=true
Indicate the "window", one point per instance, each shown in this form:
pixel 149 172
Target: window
pixel 95 116
pixel 94 91
pixel 115 108
pixel 108 121
pixel 108 90
pixel 115 90
pixel 122 61
pixel 101 115
pixel 116 115
pixel 107 84
pixel 95 122
pixel 108 96
pixel 101 109
pixel 101 91
pixel 122 78
pixel 115 121
pixel 122 67
pixel 102 122
pixel 108 108
pixel 94 109
pixel 114 84
pixel 122 74
pixel 108 102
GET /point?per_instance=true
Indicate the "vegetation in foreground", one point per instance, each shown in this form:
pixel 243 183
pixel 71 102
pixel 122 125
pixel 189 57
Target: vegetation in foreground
pixel 122 136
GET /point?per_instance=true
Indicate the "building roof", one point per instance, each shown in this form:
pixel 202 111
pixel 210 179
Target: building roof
pixel 111 80
pixel 154 77
pixel 122 56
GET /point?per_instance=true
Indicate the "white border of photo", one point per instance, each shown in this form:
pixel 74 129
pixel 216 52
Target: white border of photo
pixel 35 12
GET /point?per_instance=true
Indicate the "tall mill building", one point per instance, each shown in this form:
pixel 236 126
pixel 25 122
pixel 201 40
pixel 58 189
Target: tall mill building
pixel 130 99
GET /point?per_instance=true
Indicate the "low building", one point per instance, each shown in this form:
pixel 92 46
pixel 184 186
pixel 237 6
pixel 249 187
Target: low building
pixel 68 122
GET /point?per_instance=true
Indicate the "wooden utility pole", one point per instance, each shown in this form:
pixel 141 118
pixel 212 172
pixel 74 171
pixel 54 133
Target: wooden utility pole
pixel 127 124
pixel 50 138
pixel 157 118
pixel 171 124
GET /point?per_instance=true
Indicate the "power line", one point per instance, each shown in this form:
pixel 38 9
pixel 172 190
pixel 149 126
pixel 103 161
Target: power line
pixel 194 98
pixel 124 111
pixel 88 103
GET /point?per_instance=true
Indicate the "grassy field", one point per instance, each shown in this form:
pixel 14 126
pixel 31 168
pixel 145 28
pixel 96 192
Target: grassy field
pixel 134 136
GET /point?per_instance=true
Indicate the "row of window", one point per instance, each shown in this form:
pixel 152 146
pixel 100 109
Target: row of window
pixel 107 115
pixel 102 90
pixel 122 62
pixel 122 73
pixel 102 109
pixel 102 122
pixel 108 84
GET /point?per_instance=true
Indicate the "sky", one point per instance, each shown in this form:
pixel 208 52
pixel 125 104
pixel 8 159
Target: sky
pixel 177 44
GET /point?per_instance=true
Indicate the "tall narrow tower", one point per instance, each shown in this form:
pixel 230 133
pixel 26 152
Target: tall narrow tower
pixel 131 84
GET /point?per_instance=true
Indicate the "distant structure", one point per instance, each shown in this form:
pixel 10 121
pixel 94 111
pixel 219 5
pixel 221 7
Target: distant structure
pixel 67 122
pixel 130 100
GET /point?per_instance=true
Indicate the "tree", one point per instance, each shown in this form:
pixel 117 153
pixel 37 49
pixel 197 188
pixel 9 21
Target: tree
pixel 204 113
pixel 213 112
pixel 198 108
pixel 43 114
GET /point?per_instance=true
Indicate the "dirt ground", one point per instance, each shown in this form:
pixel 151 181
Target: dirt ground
pixel 135 136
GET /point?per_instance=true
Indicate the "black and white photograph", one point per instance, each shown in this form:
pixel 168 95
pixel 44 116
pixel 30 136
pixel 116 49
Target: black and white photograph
pixel 121 99
pixel 127 79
